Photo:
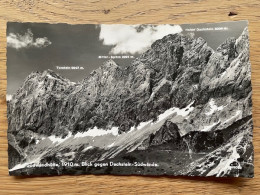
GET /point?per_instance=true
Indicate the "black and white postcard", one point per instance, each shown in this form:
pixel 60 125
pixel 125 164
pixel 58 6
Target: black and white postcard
pixel 129 99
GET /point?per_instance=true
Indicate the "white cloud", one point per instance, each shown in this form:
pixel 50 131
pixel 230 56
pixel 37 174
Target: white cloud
pixel 18 41
pixel 8 97
pixel 134 38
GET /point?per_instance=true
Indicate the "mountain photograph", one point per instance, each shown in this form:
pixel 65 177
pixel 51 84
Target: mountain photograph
pixel 129 99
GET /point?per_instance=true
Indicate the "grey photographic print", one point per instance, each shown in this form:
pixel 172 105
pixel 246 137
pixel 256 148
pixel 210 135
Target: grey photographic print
pixel 129 99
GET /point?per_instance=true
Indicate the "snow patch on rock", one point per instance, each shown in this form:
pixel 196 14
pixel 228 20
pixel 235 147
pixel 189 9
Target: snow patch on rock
pixel 213 107
pixel 98 132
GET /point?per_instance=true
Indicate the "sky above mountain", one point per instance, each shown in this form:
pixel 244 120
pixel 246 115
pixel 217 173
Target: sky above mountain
pixel 41 46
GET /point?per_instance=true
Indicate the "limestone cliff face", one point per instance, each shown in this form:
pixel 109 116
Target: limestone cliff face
pixel 175 71
pixel 35 106
pixel 166 75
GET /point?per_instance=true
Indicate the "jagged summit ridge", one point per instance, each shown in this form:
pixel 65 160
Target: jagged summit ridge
pixel 176 70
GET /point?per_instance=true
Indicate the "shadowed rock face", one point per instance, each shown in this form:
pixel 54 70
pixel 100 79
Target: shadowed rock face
pixel 174 72
pixel 167 134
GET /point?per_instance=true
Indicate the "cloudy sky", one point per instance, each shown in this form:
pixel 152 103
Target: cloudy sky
pixel 41 46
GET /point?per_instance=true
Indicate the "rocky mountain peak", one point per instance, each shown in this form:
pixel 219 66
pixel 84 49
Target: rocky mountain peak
pixel 166 40
pixel 109 64
pixel 242 42
pixel 51 75
pixel 108 67
pixel 228 48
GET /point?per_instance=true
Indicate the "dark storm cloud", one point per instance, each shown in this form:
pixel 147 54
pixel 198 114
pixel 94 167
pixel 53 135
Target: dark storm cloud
pixel 77 45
